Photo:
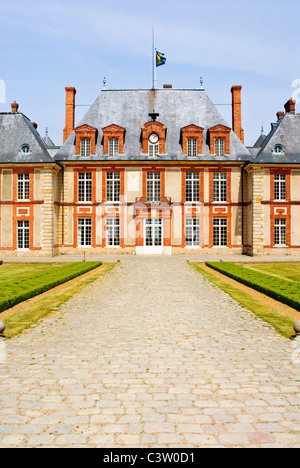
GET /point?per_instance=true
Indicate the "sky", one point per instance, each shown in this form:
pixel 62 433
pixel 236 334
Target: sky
pixel 45 46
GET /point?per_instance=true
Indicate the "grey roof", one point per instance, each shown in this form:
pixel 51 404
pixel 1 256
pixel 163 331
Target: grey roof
pixel 286 132
pixel 17 130
pixel 47 140
pixel 130 109
pixel 259 141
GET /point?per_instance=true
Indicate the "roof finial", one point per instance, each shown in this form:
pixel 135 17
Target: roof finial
pixel 104 82
pixel 201 83
pixel 46 132
pixel 262 128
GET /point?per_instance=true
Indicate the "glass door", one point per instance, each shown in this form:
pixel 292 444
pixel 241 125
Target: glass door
pixel 153 236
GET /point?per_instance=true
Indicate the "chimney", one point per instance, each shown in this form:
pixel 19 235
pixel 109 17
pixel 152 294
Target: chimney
pixel 237 112
pixel 35 125
pixel 279 115
pixel 168 86
pixel 70 112
pixel 14 107
pixel 290 106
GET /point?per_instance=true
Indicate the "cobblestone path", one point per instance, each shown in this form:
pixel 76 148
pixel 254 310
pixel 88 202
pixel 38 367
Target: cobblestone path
pixel 151 355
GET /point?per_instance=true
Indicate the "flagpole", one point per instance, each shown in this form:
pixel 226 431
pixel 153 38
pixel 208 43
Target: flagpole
pixel 153 57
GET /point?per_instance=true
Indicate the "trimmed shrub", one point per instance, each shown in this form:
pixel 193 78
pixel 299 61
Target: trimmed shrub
pixel 19 290
pixel 285 291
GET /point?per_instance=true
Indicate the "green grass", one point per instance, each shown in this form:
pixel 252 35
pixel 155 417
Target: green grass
pixel 11 271
pixel 282 323
pixel 23 282
pixel 286 271
pixel 25 318
pixel 282 290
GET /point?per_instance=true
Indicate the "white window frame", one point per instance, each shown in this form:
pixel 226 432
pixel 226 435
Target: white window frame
pixel 85 187
pixel 84 232
pixel 192 147
pixel 192 232
pixel 113 147
pixel 220 188
pixel 113 187
pixel 153 150
pixel 23 187
pixel 280 187
pixel 153 226
pixel 23 235
pixel 85 147
pixel 192 187
pixel 112 232
pixel 280 232
pixel 220 232
pixel 153 187
pixel 220 147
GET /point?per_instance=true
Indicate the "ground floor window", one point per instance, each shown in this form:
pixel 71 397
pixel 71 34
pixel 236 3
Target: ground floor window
pixel 192 232
pixel 23 235
pixel 220 232
pixel 280 233
pixel 113 232
pixel 84 232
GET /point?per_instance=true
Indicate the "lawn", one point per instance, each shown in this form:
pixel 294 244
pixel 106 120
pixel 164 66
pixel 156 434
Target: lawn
pixel 49 303
pixel 282 323
pixel 19 282
pixel 279 281
pixel 286 271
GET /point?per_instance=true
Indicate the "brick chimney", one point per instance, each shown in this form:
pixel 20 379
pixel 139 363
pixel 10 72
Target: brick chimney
pixel 14 107
pixel 70 112
pixel 279 115
pixel 290 106
pixel 237 112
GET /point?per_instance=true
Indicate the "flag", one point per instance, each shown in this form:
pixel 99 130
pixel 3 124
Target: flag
pixel 160 59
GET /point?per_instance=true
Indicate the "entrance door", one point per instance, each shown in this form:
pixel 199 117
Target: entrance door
pixel 153 244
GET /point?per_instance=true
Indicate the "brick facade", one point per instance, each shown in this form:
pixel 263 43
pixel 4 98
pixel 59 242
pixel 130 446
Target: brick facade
pixel 176 201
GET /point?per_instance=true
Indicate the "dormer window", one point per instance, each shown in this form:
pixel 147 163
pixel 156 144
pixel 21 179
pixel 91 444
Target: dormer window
pixel 85 147
pixel 192 140
pixel 220 146
pixel 113 140
pixel 113 146
pixel 219 138
pixel 85 141
pixel 153 139
pixel 278 149
pixel 192 147
pixel 153 145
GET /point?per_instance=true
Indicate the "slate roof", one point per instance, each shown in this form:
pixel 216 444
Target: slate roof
pixel 130 109
pixel 47 140
pixel 285 132
pixel 17 130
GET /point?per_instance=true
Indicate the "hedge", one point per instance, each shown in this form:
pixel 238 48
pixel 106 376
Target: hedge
pixel 285 291
pixel 16 291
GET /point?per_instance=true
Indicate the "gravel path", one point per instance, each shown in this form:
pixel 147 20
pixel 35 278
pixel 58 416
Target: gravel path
pixel 151 355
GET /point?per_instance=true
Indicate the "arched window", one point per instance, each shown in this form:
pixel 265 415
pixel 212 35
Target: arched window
pixel 153 139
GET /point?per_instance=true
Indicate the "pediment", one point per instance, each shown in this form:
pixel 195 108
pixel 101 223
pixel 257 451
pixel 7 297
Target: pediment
pixel 192 128
pixel 85 129
pixel 220 129
pixel 113 128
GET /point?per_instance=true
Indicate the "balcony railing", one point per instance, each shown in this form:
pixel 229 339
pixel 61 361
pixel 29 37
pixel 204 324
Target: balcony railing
pixel 148 201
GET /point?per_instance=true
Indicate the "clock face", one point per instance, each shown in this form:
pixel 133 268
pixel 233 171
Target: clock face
pixel 153 138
